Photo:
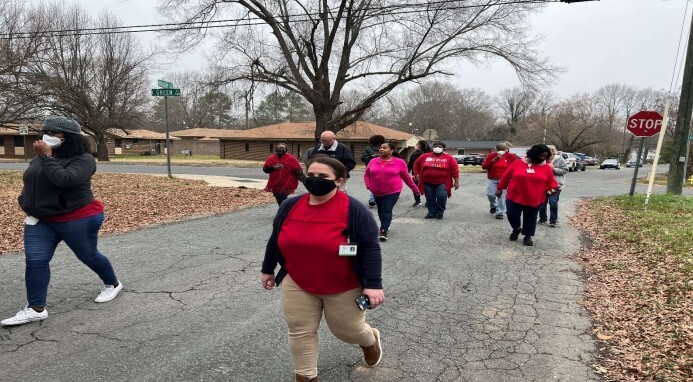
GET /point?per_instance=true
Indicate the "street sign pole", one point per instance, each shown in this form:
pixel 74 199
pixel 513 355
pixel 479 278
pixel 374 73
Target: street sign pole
pixel 637 165
pixel 168 150
pixel 656 158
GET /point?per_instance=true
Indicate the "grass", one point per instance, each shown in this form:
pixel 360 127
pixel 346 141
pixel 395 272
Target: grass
pixel 181 160
pixel 666 226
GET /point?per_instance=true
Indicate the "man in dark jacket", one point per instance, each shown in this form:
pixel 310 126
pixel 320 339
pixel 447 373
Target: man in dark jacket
pixel 330 147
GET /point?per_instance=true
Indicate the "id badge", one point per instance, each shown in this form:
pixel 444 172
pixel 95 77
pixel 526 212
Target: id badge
pixel 530 171
pixel 348 249
pixel 30 220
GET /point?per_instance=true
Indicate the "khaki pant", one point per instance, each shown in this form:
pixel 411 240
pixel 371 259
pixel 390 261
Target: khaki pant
pixel 303 311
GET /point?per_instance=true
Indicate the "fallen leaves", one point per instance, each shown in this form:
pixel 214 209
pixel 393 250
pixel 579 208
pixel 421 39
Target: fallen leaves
pixel 132 202
pixel 639 268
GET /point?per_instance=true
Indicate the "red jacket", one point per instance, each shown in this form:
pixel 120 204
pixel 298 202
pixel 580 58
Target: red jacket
pixel 285 180
pixel 435 168
pixel 528 183
pixel 495 169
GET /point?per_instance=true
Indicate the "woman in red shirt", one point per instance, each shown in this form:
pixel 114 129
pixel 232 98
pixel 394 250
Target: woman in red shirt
pixel 326 243
pixel 284 173
pixel 437 173
pixel 527 181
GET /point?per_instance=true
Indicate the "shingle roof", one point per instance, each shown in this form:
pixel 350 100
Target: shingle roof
pixel 139 134
pixel 306 131
pixel 198 133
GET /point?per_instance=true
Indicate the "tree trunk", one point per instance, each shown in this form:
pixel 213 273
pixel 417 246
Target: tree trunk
pixel 322 119
pixel 102 148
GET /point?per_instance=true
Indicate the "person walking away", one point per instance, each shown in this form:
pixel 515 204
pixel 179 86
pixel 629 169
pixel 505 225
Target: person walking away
pixel 527 181
pixel 284 173
pixel 373 150
pixel 383 177
pixel 333 149
pixel 560 168
pixel 495 165
pixel 60 206
pixel 420 149
pixel 325 275
pixel 437 173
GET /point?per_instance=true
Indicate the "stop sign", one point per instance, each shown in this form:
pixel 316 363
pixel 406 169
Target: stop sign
pixel 645 123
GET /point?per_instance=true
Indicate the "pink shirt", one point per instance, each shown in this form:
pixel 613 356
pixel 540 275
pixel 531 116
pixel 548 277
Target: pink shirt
pixel 384 177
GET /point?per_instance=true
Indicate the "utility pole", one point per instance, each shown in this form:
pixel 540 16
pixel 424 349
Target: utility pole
pixel 677 164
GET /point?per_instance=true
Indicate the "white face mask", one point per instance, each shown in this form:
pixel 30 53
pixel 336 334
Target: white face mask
pixel 437 150
pixel 500 153
pixel 52 142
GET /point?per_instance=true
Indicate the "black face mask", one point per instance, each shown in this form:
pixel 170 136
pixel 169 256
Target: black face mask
pixel 280 152
pixel 319 186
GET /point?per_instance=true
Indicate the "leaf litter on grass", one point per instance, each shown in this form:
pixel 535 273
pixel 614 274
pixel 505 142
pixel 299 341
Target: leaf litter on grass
pixel 639 271
pixel 132 202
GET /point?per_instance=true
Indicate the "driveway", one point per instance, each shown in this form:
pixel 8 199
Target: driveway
pixel 463 303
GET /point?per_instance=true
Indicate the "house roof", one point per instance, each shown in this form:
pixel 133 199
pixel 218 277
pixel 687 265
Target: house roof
pixel 472 144
pixel 198 133
pixel 306 131
pixel 139 134
pixel 9 131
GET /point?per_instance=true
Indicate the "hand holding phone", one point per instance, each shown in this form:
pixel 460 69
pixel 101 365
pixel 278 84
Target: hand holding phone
pixel 363 302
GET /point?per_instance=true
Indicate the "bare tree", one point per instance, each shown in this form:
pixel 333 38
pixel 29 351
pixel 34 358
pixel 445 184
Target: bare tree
pixel 321 49
pixel 97 79
pixel 576 124
pixel 516 105
pixel 20 43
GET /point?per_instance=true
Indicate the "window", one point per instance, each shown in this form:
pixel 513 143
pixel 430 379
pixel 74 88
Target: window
pixel 271 147
pixel 135 140
pixel 18 141
pixel 118 142
pixel 247 146
pixel 2 141
pixel 299 150
pixel 460 151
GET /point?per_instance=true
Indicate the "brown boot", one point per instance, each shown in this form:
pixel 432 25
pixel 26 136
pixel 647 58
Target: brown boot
pixel 372 354
pixel 300 378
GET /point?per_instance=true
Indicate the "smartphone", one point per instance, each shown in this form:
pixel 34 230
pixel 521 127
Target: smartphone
pixel 363 302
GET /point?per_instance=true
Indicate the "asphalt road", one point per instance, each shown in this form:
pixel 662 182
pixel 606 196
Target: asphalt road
pixel 463 303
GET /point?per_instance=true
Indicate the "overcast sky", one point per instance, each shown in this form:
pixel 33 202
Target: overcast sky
pixel 597 43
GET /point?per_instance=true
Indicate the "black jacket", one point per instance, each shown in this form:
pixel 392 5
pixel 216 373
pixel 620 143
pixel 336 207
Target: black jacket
pixel 56 186
pixel 362 230
pixel 414 156
pixel 342 153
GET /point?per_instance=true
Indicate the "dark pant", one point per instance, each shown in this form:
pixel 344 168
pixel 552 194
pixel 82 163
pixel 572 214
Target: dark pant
pixel 385 206
pixel 529 217
pixel 436 198
pixel 40 241
pixel 553 207
pixel 280 197
pixel 417 198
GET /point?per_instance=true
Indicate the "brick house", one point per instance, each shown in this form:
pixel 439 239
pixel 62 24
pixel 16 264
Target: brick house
pixel 198 141
pixel 258 143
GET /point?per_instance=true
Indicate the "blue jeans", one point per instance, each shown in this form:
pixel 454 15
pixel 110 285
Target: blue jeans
pixel 553 207
pixel 522 215
pixel 385 206
pixel 493 200
pixel 40 241
pixel 436 198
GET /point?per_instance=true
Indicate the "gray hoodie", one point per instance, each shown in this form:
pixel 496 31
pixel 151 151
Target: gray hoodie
pixel 560 168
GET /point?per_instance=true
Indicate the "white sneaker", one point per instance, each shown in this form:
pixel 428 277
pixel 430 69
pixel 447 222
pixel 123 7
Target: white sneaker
pixel 109 292
pixel 24 316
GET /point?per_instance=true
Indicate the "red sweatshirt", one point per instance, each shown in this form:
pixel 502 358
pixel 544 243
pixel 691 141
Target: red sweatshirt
pixel 527 183
pixel 309 241
pixel 434 168
pixel 495 169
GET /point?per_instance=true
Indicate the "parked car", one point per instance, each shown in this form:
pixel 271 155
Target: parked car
pixel 589 161
pixel 632 162
pixel 610 163
pixel 473 159
pixel 580 164
pixel 459 158
pixel 574 162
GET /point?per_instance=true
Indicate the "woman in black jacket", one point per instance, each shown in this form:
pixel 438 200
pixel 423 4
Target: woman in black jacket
pixel 421 148
pixel 60 206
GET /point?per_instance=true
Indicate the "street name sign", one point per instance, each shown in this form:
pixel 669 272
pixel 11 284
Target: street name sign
pixel 645 123
pixel 164 84
pixel 23 130
pixel 166 92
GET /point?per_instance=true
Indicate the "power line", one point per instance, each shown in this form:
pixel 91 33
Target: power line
pixel 676 61
pixel 250 21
